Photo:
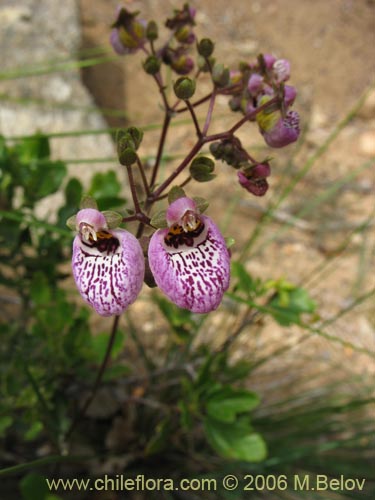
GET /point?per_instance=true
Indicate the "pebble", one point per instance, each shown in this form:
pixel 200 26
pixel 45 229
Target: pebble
pixel 367 111
pixel 366 143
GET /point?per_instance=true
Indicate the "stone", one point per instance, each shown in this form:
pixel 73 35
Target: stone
pixel 366 143
pixel 52 101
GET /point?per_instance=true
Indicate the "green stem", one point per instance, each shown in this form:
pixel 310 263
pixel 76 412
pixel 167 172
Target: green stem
pixel 98 379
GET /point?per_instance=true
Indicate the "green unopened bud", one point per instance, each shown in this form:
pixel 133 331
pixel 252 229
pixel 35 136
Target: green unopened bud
pixel 136 135
pixel 201 169
pixel 152 65
pixel 185 35
pixel 152 31
pixel 205 64
pixel 127 156
pixel 206 47
pixel 220 75
pixel 184 88
pixel 216 150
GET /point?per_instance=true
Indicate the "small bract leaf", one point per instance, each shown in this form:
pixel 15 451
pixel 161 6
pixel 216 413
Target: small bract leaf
pixel 229 241
pixel 175 193
pixel 113 219
pixel 202 204
pixel 159 220
pixel 72 222
pixel 88 202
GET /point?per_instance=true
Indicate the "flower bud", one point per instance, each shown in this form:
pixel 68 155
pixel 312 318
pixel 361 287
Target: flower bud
pixel 220 75
pixel 184 88
pixel 129 33
pixel 253 178
pixel 205 64
pixel 182 65
pixel 185 35
pixel 206 47
pixel 255 84
pixel 152 65
pixel 281 70
pixel 201 169
pixel 127 156
pixel 152 31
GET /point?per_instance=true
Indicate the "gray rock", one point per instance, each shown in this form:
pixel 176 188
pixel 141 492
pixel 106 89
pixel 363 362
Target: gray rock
pixel 35 34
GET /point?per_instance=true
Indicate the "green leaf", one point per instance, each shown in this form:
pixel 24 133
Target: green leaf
pixel 159 440
pixel 105 185
pixel 227 402
pixel 235 440
pixel 33 147
pixel 288 305
pixel 5 422
pixel 73 192
pixel 99 345
pixel 244 282
pixel 43 179
pixel 33 431
pixel 40 291
pixel 34 487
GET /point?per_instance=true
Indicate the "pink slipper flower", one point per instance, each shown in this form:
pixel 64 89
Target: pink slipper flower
pixel 189 260
pixel 285 131
pixel 108 264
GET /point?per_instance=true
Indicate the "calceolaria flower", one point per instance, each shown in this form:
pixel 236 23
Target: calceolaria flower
pixel 108 263
pixel 253 178
pixel 189 260
pixel 129 33
pixel 278 131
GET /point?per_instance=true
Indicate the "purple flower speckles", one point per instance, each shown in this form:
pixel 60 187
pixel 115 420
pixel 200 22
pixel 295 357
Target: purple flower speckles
pixel 189 260
pixel 108 265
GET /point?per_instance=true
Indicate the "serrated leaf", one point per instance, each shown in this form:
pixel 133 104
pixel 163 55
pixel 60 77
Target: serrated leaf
pixel 227 402
pixel 235 440
pixel 159 220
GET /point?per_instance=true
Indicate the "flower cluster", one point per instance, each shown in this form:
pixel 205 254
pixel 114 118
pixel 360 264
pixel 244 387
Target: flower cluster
pixel 189 260
pixel 256 84
pixel 183 252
